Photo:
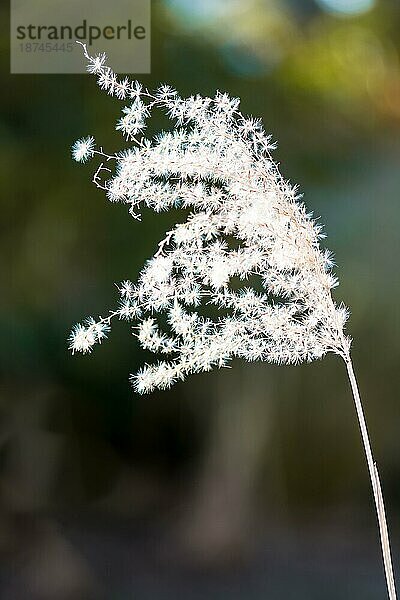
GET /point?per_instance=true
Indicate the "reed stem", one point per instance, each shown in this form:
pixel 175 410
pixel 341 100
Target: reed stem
pixel 375 482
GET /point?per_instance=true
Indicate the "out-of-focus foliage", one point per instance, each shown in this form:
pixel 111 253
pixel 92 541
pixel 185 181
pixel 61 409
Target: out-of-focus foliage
pixel 351 64
pixel 327 86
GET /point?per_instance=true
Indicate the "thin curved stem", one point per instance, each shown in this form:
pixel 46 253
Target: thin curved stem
pixel 375 482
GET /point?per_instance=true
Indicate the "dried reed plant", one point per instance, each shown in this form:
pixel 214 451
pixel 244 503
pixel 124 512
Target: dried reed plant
pixel 245 222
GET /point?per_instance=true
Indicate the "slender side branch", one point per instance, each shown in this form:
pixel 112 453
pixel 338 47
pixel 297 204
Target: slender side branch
pixel 375 482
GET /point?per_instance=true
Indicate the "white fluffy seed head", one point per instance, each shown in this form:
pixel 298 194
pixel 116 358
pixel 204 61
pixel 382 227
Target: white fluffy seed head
pixel 248 253
pixel 82 150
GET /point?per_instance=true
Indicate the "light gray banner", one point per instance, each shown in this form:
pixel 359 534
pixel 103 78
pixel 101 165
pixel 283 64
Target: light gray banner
pixel 43 34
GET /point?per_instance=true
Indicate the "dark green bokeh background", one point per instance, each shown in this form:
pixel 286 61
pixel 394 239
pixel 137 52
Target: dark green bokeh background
pixel 243 483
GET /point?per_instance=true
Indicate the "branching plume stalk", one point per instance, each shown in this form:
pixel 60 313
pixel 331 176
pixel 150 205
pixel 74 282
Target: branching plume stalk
pixel 246 222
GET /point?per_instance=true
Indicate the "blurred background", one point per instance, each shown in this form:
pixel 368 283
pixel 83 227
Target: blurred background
pixel 244 483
